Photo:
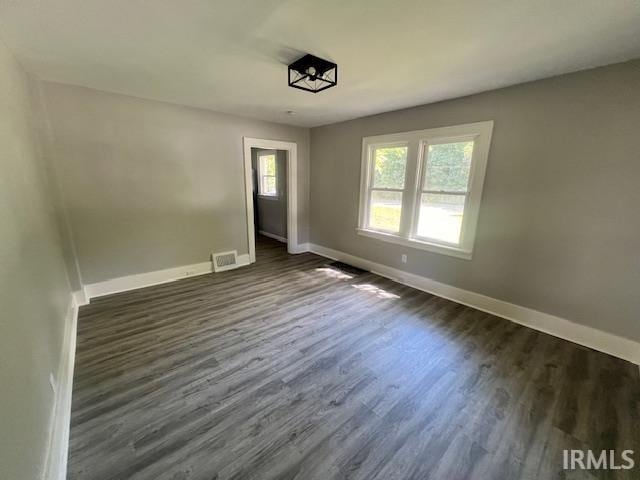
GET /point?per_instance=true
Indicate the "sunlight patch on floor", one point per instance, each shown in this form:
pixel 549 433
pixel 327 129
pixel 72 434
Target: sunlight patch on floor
pixel 333 273
pixel 377 291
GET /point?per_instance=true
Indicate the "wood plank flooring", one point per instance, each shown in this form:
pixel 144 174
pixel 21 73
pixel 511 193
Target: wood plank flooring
pixel 287 369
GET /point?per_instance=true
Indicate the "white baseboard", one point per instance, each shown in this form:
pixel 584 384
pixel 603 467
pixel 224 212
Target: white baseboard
pixel 559 327
pixel 141 280
pixel 273 235
pixel 300 248
pixel 243 260
pixel 80 297
pixel 294 249
pixel 58 448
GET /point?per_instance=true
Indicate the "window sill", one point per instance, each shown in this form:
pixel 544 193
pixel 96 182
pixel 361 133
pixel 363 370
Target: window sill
pixel 269 197
pixel 431 247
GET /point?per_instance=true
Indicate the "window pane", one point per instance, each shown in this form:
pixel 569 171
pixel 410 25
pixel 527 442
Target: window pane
pixel 268 185
pixel 268 165
pixel 384 211
pixel 389 167
pixel 448 167
pixel 441 217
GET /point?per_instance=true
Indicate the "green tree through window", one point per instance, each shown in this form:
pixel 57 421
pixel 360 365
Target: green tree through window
pixel 390 163
pixel 448 166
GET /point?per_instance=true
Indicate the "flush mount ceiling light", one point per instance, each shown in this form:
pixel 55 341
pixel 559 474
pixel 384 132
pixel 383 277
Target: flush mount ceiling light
pixel 313 74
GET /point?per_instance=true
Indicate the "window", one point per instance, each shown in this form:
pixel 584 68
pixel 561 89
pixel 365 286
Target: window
pixel 423 188
pixel 267 180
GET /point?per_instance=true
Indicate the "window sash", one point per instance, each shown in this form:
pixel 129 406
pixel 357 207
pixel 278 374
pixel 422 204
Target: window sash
pixel 371 159
pixel 372 166
pixel 265 190
pixel 369 209
pixel 446 192
pixel 417 211
pixel 422 169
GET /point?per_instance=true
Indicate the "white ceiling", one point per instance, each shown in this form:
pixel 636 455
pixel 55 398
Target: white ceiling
pixel 231 56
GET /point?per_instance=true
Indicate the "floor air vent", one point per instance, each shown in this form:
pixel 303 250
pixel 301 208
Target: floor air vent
pixel 225 261
pixel 346 268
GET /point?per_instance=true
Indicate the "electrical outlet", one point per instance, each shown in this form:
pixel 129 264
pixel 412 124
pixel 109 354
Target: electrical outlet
pixel 404 258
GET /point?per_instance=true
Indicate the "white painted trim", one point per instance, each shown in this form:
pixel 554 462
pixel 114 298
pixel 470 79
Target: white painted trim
pixel 301 248
pixel 80 297
pixel 273 235
pixel 132 282
pixel 292 190
pixel 141 280
pixel 413 243
pixel 58 447
pixel 148 279
pixel 559 327
pixel 243 260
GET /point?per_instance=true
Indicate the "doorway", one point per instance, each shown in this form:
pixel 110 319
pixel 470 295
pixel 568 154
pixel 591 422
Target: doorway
pixel 269 173
pixel 271 192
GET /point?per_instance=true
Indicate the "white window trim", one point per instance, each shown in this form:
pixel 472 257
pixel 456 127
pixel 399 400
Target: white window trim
pixel 268 196
pixel 417 142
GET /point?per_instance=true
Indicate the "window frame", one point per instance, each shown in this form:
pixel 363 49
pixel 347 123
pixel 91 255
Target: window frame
pixel 261 194
pixel 417 143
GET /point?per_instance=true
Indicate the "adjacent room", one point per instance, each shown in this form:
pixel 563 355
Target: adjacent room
pixel 287 239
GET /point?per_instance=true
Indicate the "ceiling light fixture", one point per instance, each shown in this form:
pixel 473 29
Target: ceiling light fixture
pixel 313 74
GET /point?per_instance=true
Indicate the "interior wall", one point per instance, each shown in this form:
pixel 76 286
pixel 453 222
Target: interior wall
pixel 34 289
pixel 558 229
pixel 271 213
pixel 150 185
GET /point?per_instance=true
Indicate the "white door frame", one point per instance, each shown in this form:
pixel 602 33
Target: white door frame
pixel 292 190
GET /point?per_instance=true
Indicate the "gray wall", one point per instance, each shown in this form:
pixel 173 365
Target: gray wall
pixel 271 213
pixel 34 289
pixel 150 185
pixel 559 229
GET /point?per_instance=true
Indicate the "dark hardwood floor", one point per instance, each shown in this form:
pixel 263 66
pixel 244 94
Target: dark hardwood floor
pixel 288 369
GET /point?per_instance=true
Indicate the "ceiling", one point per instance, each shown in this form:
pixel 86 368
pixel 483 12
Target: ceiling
pixel 231 56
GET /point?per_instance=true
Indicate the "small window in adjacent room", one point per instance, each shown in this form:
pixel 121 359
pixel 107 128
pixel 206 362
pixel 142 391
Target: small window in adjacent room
pixel 267 176
pixel 423 188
